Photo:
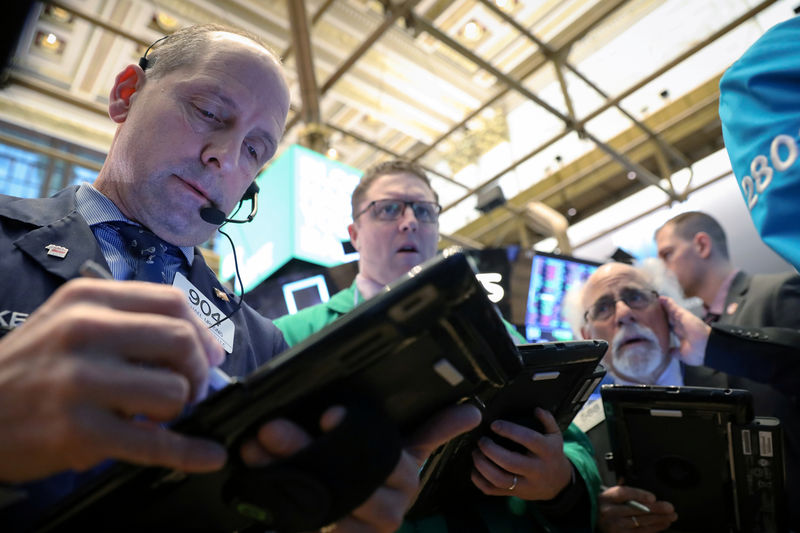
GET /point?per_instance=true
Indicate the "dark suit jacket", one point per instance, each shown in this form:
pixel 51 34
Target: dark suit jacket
pixel 30 276
pixel 754 353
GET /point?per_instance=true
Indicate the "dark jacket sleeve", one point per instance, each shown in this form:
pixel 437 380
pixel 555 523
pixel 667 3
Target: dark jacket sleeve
pixel 766 355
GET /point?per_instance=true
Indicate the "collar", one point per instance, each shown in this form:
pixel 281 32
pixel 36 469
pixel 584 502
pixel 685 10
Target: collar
pixel 367 287
pixel 670 376
pixel 97 208
pixel 345 300
pixel 718 305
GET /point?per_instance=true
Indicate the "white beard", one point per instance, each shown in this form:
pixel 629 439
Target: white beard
pixel 638 361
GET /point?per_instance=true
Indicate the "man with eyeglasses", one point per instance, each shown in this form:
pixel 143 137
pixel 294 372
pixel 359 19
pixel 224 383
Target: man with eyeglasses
pixel 620 305
pixel 396 227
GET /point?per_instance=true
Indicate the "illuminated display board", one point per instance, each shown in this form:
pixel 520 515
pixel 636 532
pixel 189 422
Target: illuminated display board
pixel 303 213
pixel 552 276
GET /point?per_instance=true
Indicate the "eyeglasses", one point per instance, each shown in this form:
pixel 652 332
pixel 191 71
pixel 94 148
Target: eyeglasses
pixel 606 306
pixel 390 209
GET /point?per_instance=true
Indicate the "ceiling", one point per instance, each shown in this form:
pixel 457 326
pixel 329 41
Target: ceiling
pixel 576 104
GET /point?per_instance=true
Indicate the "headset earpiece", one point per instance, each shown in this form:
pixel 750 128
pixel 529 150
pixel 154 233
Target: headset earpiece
pixel 143 61
pixel 251 191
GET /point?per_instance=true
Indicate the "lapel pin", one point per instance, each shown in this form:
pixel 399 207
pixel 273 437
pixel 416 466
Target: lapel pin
pixel 57 251
pixel 732 308
pixel 221 295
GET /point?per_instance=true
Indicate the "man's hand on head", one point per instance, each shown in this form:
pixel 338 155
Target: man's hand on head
pixel 90 371
pixel 691 331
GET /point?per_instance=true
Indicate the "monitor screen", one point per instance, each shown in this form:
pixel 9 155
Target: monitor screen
pixel 305 293
pixel 552 276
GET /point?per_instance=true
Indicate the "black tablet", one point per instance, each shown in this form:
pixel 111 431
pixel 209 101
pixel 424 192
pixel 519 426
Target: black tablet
pixel 429 340
pixel 556 376
pixel 701 450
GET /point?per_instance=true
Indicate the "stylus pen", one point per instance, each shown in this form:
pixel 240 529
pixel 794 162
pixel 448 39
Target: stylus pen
pixel 217 379
pixel 632 503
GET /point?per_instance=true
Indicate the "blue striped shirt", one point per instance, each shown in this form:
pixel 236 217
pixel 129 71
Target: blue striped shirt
pixel 97 209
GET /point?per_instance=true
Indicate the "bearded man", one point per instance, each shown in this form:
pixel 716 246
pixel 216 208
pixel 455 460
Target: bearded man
pixel 621 306
pixel 652 340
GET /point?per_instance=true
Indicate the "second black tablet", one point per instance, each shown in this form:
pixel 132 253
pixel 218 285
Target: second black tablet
pixel 556 376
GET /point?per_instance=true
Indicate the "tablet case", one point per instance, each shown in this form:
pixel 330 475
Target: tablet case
pixel 702 450
pixel 429 340
pixel 556 376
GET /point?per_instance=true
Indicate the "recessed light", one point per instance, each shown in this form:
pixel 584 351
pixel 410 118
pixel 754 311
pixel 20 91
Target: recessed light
pixel 473 30
pixel 49 42
pixel 165 22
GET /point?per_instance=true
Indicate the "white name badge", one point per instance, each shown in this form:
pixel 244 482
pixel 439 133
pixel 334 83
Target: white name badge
pixel 590 415
pixel 207 311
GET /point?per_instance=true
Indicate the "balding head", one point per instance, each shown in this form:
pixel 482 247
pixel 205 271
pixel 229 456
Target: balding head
pixel 621 307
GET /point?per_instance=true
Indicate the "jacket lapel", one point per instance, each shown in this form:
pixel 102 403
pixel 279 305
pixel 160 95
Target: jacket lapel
pixel 201 277
pixel 62 226
pixel 736 295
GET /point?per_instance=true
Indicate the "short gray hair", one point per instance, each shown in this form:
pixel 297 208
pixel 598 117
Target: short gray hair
pixel 186 45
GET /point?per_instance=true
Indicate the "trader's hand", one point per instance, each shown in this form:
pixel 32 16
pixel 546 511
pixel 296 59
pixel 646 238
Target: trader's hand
pixel 539 474
pixel 95 355
pixel 384 509
pixel 691 332
pixel 615 516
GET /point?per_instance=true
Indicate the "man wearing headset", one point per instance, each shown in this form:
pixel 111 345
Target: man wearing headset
pixel 84 361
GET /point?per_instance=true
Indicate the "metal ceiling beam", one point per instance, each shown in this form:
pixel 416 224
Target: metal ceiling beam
pixel 99 22
pixel 559 59
pixel 49 151
pixel 314 19
pixel 538 60
pixel 36 85
pixel 301 39
pixel 396 13
pixel 727 28
pixel 392 153
pixel 680 59
pixel 313 137
pixel 641 172
pixel 598 169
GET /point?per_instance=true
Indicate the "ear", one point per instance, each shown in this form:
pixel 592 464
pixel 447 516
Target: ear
pixel 702 244
pixel 353 232
pixel 125 86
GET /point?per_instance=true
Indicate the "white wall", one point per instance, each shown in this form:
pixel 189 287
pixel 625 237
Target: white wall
pixel 721 199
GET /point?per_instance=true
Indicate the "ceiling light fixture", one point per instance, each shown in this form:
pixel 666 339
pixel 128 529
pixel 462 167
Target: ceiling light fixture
pixel 58 14
pixel 506 5
pixel 49 42
pixel 165 22
pixel 473 31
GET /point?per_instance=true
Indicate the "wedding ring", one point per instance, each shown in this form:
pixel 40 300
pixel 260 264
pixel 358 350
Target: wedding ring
pixel 514 483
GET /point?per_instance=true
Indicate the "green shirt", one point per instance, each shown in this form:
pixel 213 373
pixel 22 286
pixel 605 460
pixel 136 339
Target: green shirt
pixel 505 515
